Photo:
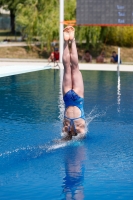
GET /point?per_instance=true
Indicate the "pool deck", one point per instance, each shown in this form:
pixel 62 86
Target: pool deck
pixel 10 67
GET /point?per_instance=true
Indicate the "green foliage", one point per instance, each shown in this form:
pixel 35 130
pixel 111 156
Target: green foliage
pixel 91 35
pixel 69 9
pixel 120 36
pixel 26 18
pixel 39 18
pixel 10 4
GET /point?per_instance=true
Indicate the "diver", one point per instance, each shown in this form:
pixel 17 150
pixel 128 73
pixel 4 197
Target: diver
pixel 73 89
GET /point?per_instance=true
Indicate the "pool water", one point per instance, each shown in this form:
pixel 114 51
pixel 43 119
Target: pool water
pixel 35 165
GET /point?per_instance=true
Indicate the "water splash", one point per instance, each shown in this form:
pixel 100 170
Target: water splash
pixel 34 151
pixel 37 151
pixel 29 150
pixel 58 145
pixel 118 93
pixel 95 113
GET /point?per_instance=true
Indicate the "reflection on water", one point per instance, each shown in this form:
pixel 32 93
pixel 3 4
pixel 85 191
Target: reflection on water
pixel 61 102
pixel 74 173
pixel 118 91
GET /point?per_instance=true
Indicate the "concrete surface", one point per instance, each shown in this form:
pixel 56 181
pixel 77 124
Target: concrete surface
pixel 18 66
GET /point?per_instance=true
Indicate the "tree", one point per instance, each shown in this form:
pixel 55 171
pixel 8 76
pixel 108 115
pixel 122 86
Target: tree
pixel 89 34
pixel 39 18
pixel 121 36
pixel 11 5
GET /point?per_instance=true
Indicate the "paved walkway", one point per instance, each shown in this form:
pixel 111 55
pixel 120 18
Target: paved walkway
pixel 18 66
pixel 15 44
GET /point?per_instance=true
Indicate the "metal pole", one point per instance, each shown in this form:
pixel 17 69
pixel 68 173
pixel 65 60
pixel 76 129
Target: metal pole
pixel 118 60
pixel 118 85
pixel 61 102
pixel 61 28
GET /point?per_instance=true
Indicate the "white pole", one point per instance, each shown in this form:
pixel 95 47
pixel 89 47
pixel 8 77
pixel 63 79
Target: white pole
pixel 61 28
pixel 118 85
pixel 61 102
pixel 118 59
pixel 118 92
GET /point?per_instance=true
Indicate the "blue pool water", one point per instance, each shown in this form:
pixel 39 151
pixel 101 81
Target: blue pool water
pixel 34 165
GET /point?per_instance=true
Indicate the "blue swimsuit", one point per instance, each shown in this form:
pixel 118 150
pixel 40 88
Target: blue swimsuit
pixel 72 99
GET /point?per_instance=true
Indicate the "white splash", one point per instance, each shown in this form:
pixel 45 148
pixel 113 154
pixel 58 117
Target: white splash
pixel 92 115
pixel 57 146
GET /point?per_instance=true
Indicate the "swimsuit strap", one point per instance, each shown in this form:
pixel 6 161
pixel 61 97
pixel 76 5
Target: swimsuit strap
pixel 72 122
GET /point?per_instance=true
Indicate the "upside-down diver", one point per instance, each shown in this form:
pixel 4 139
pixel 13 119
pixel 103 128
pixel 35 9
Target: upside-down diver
pixel 73 89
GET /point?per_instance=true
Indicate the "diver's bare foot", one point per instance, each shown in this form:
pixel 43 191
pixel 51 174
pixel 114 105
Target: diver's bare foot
pixel 66 33
pixel 71 33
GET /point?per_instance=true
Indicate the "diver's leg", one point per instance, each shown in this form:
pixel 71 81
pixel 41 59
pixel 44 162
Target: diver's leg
pixel 67 79
pixel 77 80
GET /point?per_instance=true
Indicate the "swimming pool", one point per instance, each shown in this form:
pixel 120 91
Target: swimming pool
pixel 34 166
